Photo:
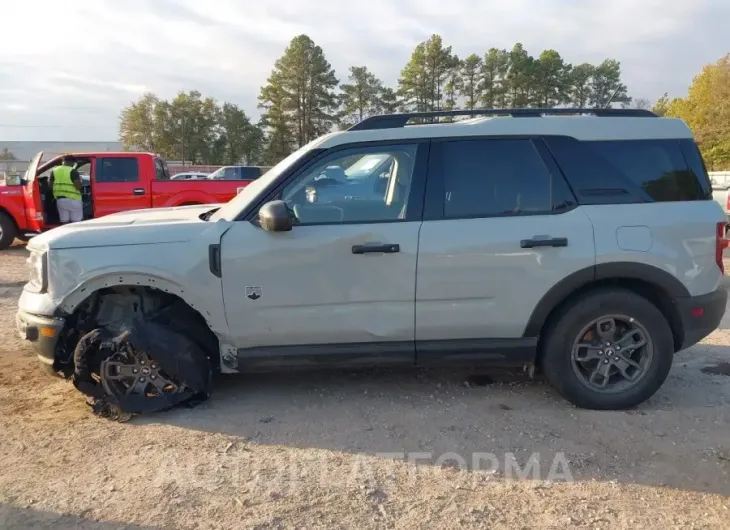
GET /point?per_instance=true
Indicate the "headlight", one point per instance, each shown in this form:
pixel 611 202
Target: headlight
pixel 37 271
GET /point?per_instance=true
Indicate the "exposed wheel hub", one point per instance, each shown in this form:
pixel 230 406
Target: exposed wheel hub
pixel 129 372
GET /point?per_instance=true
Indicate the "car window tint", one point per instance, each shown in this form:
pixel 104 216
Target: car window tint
pixel 485 178
pixel 160 173
pixel 657 166
pixel 250 173
pixel 325 194
pixel 118 170
pixel 231 173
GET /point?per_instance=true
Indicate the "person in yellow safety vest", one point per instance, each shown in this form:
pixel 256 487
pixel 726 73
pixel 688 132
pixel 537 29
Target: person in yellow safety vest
pixel 66 185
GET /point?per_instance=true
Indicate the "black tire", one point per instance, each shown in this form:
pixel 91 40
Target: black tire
pixel 564 329
pixel 8 231
pixel 64 373
pixel 160 358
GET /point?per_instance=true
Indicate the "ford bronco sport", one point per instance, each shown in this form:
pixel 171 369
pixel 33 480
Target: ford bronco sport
pixel 581 242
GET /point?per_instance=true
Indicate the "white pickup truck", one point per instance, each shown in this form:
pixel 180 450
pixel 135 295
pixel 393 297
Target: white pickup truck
pixel 721 189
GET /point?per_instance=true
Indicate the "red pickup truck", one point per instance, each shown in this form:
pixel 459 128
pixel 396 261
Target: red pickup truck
pixel 112 182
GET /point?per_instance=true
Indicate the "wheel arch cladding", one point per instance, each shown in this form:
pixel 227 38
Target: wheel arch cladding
pixel 654 284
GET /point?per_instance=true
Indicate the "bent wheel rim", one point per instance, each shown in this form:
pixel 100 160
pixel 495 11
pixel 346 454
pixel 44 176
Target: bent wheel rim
pixel 612 354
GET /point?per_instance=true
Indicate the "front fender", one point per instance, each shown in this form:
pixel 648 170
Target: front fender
pixel 70 302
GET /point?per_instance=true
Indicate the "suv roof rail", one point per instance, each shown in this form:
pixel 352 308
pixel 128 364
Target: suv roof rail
pixel 396 121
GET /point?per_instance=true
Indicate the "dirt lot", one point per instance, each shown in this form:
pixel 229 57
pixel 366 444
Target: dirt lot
pixel 312 451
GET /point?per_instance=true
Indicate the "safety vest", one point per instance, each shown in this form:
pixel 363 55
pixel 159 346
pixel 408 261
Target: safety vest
pixel 63 186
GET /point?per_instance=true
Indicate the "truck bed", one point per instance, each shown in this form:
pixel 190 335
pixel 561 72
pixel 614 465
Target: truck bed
pixel 182 192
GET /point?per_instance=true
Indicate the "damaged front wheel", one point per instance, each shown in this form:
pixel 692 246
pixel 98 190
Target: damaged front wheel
pixel 143 369
pixel 132 376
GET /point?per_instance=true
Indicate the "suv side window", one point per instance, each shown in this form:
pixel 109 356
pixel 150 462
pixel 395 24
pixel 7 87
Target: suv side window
pixel 498 177
pixel 631 171
pixel 110 170
pixel 336 190
pixel 657 166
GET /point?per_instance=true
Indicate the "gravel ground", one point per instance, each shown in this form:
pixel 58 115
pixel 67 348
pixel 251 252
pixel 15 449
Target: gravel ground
pixel 364 450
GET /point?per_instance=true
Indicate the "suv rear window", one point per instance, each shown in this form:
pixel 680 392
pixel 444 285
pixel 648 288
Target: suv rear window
pixel 117 170
pixel 631 171
pixel 657 166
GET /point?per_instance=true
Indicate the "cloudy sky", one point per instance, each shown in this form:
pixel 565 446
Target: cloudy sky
pixel 68 67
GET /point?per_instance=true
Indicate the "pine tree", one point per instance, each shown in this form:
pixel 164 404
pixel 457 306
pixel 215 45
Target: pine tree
pixel 389 100
pixel 423 79
pixel 580 85
pixel 520 79
pixel 361 97
pixel 470 87
pixel 606 85
pixel 551 80
pixel 299 99
pixel 493 89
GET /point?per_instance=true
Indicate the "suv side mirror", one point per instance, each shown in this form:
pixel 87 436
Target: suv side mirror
pixel 275 216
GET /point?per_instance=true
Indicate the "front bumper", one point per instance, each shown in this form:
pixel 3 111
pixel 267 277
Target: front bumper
pixel 701 315
pixel 42 332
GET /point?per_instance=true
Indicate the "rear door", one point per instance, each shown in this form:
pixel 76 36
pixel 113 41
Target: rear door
pixel 501 228
pixel 118 185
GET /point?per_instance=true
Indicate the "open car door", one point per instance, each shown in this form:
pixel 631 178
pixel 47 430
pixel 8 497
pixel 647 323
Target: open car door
pixel 32 196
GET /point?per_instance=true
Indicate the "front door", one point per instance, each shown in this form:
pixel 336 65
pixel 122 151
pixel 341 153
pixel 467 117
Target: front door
pixel 339 288
pixel 503 229
pixel 117 186
pixel 34 200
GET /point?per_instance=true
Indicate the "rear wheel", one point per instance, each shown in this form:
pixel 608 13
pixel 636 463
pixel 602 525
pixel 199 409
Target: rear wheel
pixel 8 231
pixel 612 349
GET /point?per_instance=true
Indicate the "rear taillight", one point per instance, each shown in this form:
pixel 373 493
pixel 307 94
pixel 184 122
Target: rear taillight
pixel 727 205
pixel 720 245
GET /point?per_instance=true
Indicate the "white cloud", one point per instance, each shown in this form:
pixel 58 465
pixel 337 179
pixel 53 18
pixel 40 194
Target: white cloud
pixel 75 64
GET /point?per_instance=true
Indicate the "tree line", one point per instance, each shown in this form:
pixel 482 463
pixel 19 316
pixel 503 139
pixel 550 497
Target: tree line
pixel 706 110
pixel 191 128
pixel 303 98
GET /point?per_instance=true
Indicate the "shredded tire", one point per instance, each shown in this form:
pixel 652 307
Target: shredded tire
pixel 146 368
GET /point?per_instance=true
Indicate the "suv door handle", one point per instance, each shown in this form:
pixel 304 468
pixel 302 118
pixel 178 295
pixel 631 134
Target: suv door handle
pixel 371 249
pixel 544 242
pixel 138 191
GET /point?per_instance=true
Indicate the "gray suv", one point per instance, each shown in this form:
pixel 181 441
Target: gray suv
pixel 582 243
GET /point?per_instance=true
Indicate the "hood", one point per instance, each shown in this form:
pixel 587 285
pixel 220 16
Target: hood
pixel 135 227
